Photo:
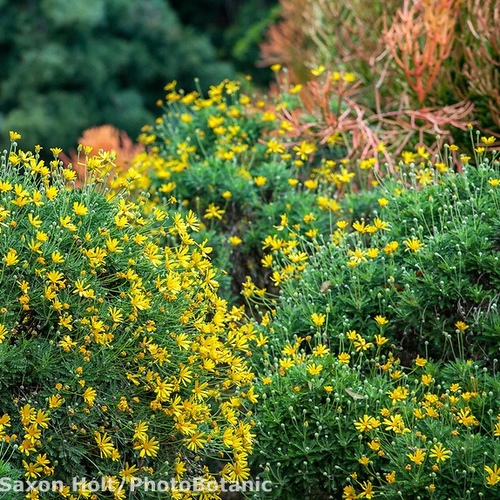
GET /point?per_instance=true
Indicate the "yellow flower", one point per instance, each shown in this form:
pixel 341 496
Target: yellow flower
pixel 380 340
pixel 3 333
pixel 66 223
pixel 344 358
pixel 360 344
pixel 439 453
pixel 128 472
pixel 465 417
pixel 197 440
pixel 367 488
pixel 391 247
pixel 349 493
pixel 214 211
pixel 381 320
pixel 318 319
pixel 33 470
pixel 319 70
pixel 260 180
pixel 349 78
pixel 55 401
pixel 420 361
pixel 391 477
pixel 314 369
pixel 413 244
pixel 488 140
pixel 236 472
pixel 320 350
pixel 366 423
pixel 493 475
pixel 14 136
pixel 304 150
pixel 311 184
pixel 80 208
pixel 140 432
pixel 235 240
pixel 35 221
pixel 396 424
pixel 57 258
pixel 427 379
pixel 148 447
pixel 5 186
pixel 66 343
pixel 398 394
pixel 496 430
pixel 11 258
pixel 363 228
pixel 461 326
pixel 104 444
pixel 417 457
pixel 89 396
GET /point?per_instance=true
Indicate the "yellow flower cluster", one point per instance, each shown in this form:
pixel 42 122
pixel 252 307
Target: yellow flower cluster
pixel 143 362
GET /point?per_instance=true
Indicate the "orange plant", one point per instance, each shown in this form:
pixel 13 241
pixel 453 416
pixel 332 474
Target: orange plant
pixel 106 138
pixel 420 40
pixel 482 55
pixel 328 112
pixel 428 67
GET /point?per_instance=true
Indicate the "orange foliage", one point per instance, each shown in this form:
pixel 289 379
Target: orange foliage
pixel 106 138
pixel 420 39
pixel 425 64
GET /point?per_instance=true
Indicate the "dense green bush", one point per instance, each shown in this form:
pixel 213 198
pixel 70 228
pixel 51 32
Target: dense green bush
pixel 323 431
pixel 221 156
pixel 422 251
pixel 379 371
pixel 69 65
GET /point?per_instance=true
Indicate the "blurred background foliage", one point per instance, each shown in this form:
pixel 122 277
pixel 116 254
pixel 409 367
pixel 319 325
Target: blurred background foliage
pixel 71 64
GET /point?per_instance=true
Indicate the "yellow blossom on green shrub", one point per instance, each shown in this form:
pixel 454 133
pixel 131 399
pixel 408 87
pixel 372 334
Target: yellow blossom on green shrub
pixel 117 357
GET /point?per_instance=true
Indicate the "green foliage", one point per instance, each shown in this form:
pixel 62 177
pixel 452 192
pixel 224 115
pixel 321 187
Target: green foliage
pixel 323 431
pixel 7 471
pixel 426 260
pixel 379 370
pixel 234 27
pixel 67 66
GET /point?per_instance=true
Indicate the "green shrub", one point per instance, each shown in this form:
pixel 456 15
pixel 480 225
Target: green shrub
pixel 221 157
pixel 379 371
pixel 70 65
pixel 421 251
pixel 324 430
pixel 117 357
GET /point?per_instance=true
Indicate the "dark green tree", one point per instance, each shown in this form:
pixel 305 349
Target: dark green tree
pixel 66 65
pixel 235 28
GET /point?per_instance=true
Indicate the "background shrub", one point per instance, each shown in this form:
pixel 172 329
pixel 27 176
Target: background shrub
pixel 221 157
pixel 421 251
pixel 67 66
